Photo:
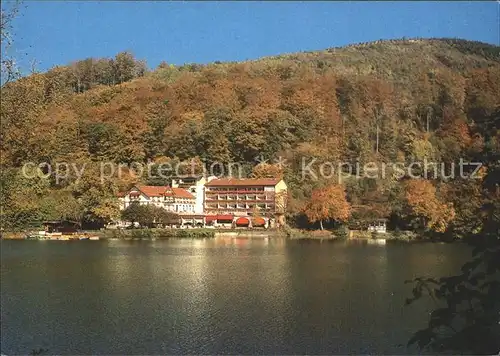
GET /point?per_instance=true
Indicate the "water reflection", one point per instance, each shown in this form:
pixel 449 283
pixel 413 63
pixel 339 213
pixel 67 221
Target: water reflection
pixel 212 296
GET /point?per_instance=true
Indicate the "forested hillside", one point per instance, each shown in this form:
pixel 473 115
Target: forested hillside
pixel 387 101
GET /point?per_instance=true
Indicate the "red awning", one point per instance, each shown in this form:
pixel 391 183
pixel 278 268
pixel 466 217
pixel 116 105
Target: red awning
pixel 210 218
pixel 224 218
pixel 258 221
pixel 242 221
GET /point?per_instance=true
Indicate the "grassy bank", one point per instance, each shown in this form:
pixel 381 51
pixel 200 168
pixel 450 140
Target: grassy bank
pixel 290 233
pixel 13 235
pixel 401 236
pixel 191 233
pixel 346 234
pixel 296 234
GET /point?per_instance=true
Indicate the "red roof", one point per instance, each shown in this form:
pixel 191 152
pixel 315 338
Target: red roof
pixel 152 190
pixel 229 182
pixel 182 193
pixel 160 191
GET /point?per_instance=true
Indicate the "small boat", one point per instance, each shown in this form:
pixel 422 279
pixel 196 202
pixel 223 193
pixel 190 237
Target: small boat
pixel 94 238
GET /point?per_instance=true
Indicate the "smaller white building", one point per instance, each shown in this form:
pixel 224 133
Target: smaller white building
pixel 196 186
pixel 378 226
pixel 176 200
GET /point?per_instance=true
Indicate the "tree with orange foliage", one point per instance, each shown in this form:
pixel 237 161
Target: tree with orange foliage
pixel 423 203
pixel 266 170
pixel 328 203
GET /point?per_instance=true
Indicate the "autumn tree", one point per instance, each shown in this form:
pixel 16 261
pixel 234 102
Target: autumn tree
pixel 467 319
pixel 423 203
pixel 266 170
pixel 326 106
pixel 328 203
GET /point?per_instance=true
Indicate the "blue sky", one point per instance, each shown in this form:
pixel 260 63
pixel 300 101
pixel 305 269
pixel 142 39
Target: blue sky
pixel 58 32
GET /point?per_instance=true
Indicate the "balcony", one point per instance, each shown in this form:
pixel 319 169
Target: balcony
pixel 237 191
pixel 224 200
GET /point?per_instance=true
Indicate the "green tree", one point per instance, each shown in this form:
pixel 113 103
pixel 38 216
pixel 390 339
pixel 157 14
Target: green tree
pixel 135 213
pixel 164 217
pixel 61 205
pixel 96 194
pixel 20 197
pixel 101 138
pixel 146 215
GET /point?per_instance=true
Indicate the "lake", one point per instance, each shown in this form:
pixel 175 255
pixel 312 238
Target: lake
pixel 214 296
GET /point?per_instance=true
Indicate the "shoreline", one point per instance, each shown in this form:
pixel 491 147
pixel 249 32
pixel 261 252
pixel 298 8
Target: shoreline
pixel 194 234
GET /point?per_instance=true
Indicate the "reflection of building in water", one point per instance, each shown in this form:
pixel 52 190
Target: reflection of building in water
pixel 277 242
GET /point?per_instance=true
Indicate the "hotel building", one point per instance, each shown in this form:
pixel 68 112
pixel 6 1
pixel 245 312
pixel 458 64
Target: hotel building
pixel 240 197
pixel 176 200
pixel 194 185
